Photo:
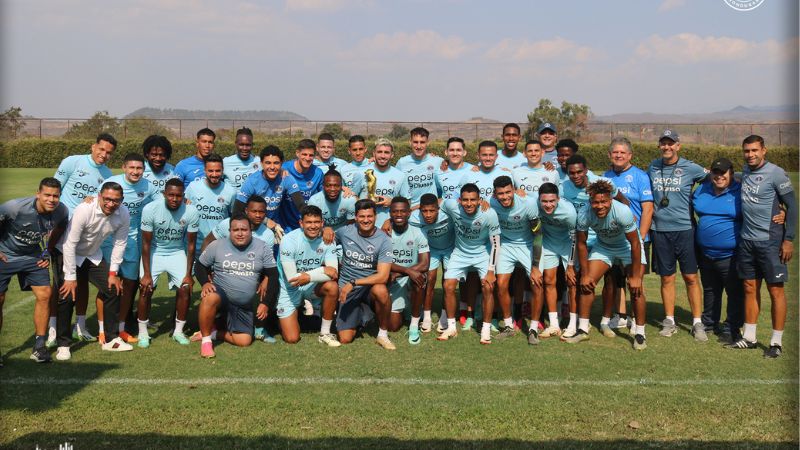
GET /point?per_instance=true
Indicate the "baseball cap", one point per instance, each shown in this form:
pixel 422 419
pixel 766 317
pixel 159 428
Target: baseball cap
pixel 721 165
pixel 670 134
pixel 546 126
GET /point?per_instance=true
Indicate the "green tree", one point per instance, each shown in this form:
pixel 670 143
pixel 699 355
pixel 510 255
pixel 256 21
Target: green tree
pixel 11 123
pixel 570 119
pixel 398 132
pixel 337 130
pixel 100 122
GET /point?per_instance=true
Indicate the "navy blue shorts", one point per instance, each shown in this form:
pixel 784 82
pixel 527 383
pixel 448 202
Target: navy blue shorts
pixel 672 247
pixel 27 272
pixel 239 318
pixel 355 309
pixel 761 259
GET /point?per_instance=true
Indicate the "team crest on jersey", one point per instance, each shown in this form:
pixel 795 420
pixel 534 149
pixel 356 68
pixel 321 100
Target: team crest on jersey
pixel 320 250
pixel 279 189
pixel 100 180
pixel 516 217
pixel 410 244
pixel 251 255
pixel 309 184
pixel 678 172
pixel 294 186
pixel 81 173
pixel 392 182
pixel 220 199
pixel 140 194
pixel 629 178
pixel 342 211
pixel 758 178
pixel 546 179
pixel 255 165
pixel 430 168
pixel 476 223
pixel 370 248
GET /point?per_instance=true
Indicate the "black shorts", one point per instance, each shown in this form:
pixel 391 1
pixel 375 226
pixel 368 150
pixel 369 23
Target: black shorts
pixel 27 272
pixel 239 318
pixel 761 259
pixel 672 247
pixel 354 310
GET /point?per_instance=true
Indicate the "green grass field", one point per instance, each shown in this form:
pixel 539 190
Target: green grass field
pixel 459 394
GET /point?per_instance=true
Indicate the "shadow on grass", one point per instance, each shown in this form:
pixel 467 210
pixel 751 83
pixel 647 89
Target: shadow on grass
pixel 80 441
pixel 17 380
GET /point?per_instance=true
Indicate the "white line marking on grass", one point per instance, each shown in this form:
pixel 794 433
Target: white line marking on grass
pixel 391 381
pixel 17 305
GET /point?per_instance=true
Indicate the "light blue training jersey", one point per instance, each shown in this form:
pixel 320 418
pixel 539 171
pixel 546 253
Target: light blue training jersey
pixel 510 162
pixel 420 175
pixel 159 180
pixel 353 175
pixel 529 179
pixel 558 228
pixel 333 160
pixel 408 245
pixel 79 176
pixel 611 229
pixel 169 227
pixel 390 183
pixel 134 197
pixel 335 214
pixel 484 180
pixel 577 195
pixel 472 231
pixel 213 204
pixel 515 221
pixel 440 234
pixel 236 170
pixel 307 254
pixel 448 182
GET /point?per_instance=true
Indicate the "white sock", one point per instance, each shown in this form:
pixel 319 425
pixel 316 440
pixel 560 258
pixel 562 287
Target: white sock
pixel 640 329
pixel 207 339
pixel 553 318
pixel 573 319
pixel 534 325
pixel 179 326
pixel 672 318
pixel 583 324
pixel 508 321
pixel 326 327
pixel 462 306
pixel 100 327
pixel 426 316
pixel 81 322
pixel 52 323
pixel 121 326
pixel 383 333
pixel 414 322
pixel 143 327
pixel 605 320
pixel 777 338
pixel 749 332
pixel 451 322
pixel 486 331
pixel 696 320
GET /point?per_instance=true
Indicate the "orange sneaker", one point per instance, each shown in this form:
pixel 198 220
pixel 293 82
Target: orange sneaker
pixel 128 338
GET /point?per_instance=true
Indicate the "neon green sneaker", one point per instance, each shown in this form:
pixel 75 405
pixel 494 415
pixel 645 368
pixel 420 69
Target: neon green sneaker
pixel 414 337
pixel 144 341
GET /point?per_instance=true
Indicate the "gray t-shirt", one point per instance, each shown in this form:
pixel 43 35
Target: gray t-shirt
pixel 361 255
pixel 236 270
pixel 674 182
pixel 23 231
pixel 761 191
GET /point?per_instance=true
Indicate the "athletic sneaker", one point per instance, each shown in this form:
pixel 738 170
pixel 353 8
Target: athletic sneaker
pixel 568 333
pixel 414 337
pixel 82 335
pixel 607 331
pixel 447 333
pixel 462 316
pixel 259 333
pixel 550 332
pixel 329 339
pixel 144 341
pixel 618 322
pixel 773 351
pixel 51 338
pixel 486 341
pixel 125 336
pixel 385 343
pixel 519 324
pixel 506 332
pixel 41 355
pixel 269 339
pixel 63 354
pixel 668 328
pixel 699 332
pixel 207 350
pixel 742 344
pixel 580 336
pixel 425 327
pixel 533 337
pixel 196 337
pixel 467 324
pixel 117 345
pixel 180 338
pixel 639 342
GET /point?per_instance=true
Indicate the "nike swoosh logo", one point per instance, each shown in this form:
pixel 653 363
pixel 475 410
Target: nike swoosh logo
pixel 228 254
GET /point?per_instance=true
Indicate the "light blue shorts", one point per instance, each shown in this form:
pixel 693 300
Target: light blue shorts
pixel 174 264
pixel 131 259
pixel 440 258
pixel 553 255
pixel 460 265
pixel 290 300
pixel 514 255
pixel 399 293
pixel 614 256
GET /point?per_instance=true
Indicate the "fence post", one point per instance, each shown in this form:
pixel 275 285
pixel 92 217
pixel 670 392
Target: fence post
pixel 40 128
pixel 180 128
pixel 367 133
pixel 723 134
pixel 290 128
pixel 779 135
pixel 124 128
pixel 476 132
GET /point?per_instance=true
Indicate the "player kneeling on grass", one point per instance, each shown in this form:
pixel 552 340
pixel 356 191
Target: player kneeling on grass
pixel 366 264
pixel 308 268
pixel 232 270
pixel 411 258
pixel 617 239
pixel 166 224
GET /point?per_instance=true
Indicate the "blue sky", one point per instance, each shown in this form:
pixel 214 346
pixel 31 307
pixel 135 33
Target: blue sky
pixel 395 60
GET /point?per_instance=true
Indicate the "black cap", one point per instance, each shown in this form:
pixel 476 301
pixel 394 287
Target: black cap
pixel 721 165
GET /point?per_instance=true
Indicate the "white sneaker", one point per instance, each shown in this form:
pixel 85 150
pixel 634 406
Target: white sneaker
pixel 329 339
pixel 63 354
pixel 550 331
pixel 617 322
pixel 447 333
pixel 308 308
pixel 117 345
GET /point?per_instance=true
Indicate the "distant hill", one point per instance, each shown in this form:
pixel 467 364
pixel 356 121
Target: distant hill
pixel 157 113
pixel 481 120
pixel 739 114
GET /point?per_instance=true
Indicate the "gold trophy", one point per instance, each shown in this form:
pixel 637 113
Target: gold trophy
pixel 372 183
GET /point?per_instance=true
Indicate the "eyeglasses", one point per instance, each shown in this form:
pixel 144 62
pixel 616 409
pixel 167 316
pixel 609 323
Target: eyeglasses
pixel 113 201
